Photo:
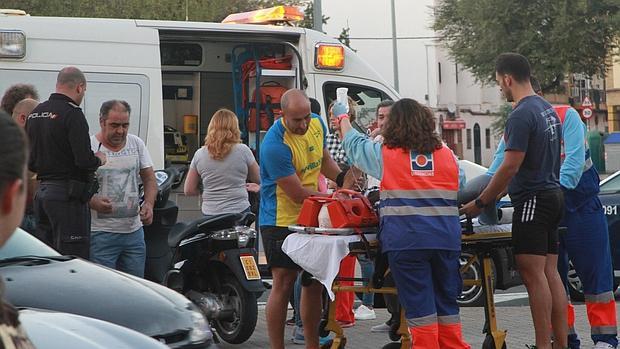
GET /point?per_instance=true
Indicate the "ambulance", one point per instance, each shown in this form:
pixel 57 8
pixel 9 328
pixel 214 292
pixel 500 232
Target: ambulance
pixel 175 75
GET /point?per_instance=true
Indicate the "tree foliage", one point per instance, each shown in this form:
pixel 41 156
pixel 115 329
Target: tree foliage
pixel 499 124
pixel 344 38
pixel 197 10
pixel 308 21
pixel 557 36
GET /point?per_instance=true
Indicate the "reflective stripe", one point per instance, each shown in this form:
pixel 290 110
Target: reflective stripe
pixel 419 194
pixel 449 319
pixel 422 211
pixel 603 330
pixel 587 164
pixel 571 330
pixel 599 298
pixel 422 321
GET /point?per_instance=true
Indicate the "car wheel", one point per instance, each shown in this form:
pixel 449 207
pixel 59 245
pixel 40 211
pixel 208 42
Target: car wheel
pixel 575 287
pixel 473 296
pixel 240 327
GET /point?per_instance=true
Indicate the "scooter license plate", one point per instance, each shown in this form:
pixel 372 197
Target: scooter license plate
pixel 249 267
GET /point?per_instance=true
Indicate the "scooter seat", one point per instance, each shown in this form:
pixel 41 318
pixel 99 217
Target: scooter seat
pixel 207 224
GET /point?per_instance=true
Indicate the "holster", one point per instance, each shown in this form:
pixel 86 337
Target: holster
pixel 83 191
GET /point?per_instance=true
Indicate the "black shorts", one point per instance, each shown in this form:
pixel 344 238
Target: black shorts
pixel 273 238
pixel 535 223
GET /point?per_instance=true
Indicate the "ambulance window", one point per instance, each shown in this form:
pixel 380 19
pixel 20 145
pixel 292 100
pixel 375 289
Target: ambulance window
pixel 181 54
pixel 367 99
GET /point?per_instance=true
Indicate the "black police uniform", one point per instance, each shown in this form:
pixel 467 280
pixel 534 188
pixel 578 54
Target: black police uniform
pixel 61 156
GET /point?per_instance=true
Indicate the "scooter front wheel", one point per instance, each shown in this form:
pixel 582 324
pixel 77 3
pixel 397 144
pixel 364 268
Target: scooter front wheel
pixel 243 303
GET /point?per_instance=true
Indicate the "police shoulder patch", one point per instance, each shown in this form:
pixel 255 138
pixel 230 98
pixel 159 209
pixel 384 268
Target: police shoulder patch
pixel 422 164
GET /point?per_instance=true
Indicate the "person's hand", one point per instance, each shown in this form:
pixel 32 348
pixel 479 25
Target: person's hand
pixel 470 209
pixel 354 179
pixel 252 187
pixel 374 133
pixel 146 213
pixel 101 204
pixel 339 109
pixel 101 157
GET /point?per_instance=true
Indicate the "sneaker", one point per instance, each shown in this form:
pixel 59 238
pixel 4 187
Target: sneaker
pixel 380 328
pixel 290 322
pixel 345 324
pixel 325 340
pixel 298 336
pixel 365 313
pixel 602 345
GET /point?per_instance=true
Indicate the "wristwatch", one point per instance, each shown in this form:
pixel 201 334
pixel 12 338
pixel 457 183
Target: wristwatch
pixel 478 202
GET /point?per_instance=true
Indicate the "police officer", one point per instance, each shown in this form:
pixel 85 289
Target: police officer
pixel 62 158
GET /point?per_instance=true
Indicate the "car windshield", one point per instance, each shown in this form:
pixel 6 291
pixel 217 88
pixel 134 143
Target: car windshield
pixel 611 184
pixel 23 244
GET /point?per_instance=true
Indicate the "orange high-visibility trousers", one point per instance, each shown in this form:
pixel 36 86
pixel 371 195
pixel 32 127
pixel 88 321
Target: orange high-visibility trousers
pixel 344 300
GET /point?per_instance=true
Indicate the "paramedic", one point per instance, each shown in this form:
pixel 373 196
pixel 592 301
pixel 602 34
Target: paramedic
pixel 420 229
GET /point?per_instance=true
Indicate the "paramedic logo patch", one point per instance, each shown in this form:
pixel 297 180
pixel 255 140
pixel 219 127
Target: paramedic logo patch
pixel 421 164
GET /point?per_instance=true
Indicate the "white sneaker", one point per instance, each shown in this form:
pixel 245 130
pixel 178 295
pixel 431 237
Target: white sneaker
pixel 380 328
pixel 365 313
pixel 603 345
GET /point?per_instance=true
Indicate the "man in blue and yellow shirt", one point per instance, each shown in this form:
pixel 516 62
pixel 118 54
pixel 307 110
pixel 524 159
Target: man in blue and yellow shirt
pixel 292 156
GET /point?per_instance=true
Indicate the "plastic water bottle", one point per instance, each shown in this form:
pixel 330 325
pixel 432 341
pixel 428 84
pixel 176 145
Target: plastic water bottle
pixel 341 96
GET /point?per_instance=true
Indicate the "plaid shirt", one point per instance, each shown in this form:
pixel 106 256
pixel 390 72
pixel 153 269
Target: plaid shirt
pixel 335 149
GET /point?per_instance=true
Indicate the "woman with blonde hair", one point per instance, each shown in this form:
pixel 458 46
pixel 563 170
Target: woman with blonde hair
pixel 224 165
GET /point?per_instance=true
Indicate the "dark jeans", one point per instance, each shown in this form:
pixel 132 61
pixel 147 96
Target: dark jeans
pixel 62 223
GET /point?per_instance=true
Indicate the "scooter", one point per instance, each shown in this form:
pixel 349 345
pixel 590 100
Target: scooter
pixel 210 261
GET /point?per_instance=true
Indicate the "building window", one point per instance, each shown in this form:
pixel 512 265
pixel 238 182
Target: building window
pixel 469 138
pixel 488 136
pixel 459 135
pixel 439 70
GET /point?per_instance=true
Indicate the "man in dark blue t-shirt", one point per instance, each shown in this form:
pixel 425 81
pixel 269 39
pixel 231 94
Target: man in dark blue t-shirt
pixel 531 170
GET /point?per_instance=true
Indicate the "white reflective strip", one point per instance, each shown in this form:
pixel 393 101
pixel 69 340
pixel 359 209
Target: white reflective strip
pixel 421 211
pixel 419 194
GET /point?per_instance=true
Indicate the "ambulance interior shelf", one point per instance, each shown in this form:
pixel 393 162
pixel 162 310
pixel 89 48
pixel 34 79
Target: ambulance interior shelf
pixel 261 74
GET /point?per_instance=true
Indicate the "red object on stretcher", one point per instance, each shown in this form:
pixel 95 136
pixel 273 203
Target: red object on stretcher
pixel 355 212
pixel 309 214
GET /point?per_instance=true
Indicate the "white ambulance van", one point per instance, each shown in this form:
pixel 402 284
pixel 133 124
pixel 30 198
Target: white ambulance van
pixel 177 74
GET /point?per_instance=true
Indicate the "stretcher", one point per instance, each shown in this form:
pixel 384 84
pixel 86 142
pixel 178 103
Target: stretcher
pixel 480 244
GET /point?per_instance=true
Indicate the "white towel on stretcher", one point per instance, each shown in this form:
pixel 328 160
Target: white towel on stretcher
pixel 320 255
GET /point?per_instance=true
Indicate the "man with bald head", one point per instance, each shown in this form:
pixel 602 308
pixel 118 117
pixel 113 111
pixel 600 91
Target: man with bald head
pixel 22 109
pixel 292 156
pixel 61 156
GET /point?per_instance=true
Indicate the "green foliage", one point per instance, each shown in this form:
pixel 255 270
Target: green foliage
pixel 557 36
pixel 308 21
pixel 344 38
pixel 499 124
pixel 197 10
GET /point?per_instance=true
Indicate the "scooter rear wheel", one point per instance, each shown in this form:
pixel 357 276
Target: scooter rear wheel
pixel 245 308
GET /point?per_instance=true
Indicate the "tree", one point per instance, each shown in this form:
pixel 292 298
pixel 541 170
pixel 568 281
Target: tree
pixel 557 36
pixel 308 21
pixel 344 37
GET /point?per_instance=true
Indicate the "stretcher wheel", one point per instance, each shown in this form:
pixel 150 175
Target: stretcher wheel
pixel 322 331
pixel 393 345
pixel 489 343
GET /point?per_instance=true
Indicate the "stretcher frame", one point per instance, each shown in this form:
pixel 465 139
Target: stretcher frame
pixel 481 244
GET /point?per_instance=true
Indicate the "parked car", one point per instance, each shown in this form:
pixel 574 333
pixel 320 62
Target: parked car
pixel 36 276
pixel 505 274
pixel 54 330
pixel 610 198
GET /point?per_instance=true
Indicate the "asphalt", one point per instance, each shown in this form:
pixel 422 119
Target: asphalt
pixel 516 319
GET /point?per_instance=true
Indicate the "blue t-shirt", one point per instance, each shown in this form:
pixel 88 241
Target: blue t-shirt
pixel 534 128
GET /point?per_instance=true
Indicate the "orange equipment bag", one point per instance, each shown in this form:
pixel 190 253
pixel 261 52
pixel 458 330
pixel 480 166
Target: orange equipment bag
pixel 309 214
pixel 351 213
pixel 270 95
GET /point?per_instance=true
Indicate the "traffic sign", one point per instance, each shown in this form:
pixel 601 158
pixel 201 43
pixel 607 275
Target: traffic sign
pixel 586 102
pixel 587 113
